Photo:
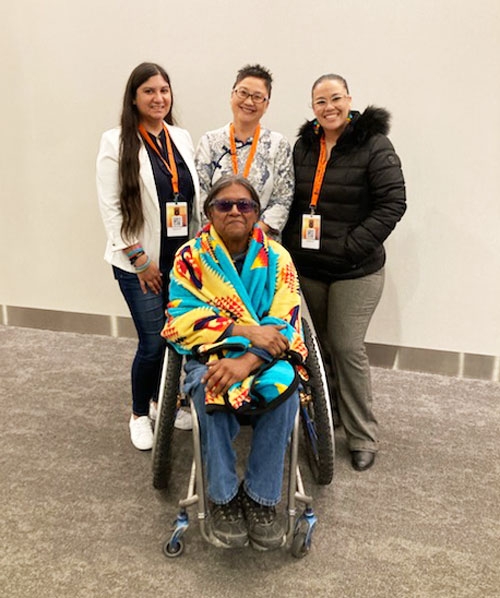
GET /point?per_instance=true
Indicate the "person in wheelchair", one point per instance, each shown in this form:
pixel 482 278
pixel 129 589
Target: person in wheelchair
pixel 234 310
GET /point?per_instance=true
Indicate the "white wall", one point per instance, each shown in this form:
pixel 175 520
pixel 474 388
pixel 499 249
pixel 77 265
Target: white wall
pixel 432 63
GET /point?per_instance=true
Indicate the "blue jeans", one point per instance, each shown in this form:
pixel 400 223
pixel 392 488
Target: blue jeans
pixel 148 312
pixel 271 433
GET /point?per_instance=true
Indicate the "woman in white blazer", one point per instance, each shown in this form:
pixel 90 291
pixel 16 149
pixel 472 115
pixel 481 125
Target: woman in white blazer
pixel 148 194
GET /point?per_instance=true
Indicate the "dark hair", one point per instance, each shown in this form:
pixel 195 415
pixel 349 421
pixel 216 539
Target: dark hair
pixel 226 181
pixel 258 71
pixel 130 144
pixel 330 77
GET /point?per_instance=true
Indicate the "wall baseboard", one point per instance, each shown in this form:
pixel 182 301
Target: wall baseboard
pixel 447 363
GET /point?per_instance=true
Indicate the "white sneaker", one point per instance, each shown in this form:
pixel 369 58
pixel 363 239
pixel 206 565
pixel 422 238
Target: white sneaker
pixel 183 420
pixel 141 433
pixel 153 410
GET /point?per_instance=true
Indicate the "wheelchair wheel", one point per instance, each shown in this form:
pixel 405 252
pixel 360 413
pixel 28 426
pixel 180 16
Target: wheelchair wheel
pixel 316 413
pixel 164 426
pixel 172 551
pixel 300 548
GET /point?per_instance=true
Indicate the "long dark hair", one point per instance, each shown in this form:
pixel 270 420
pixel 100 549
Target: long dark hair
pixel 130 144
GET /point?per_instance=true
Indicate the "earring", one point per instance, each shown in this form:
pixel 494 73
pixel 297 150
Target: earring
pixel 349 117
pixel 316 126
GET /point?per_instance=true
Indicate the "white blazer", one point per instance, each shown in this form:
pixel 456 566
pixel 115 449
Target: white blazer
pixel 108 192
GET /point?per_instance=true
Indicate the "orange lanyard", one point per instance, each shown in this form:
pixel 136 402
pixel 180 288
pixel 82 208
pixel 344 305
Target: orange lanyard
pixel 172 167
pixel 320 174
pixel 253 149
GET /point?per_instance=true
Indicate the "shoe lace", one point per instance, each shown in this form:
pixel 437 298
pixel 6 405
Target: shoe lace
pixel 228 511
pixel 259 513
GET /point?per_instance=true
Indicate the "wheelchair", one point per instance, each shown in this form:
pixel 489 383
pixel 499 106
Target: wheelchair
pixel 314 419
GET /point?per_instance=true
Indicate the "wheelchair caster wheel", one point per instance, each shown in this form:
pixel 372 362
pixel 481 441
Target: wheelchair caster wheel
pixel 171 550
pixel 299 546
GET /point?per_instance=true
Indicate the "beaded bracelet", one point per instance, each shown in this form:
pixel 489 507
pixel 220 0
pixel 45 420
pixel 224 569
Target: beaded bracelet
pixel 133 259
pixel 132 252
pixel 144 266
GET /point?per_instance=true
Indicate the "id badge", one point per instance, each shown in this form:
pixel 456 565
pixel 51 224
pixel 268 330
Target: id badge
pixel 177 219
pixel 311 231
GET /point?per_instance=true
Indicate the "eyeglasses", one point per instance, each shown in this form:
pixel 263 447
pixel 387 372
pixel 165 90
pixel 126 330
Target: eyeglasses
pixel 243 94
pixel 322 102
pixel 244 206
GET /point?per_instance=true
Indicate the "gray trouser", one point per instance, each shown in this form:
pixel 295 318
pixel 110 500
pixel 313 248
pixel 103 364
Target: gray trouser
pixel 341 312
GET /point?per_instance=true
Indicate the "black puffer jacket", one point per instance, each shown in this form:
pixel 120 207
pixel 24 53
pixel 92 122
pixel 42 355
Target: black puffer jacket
pixel 361 199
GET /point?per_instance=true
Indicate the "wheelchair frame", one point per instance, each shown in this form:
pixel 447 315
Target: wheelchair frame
pixel 299 528
pixel 314 417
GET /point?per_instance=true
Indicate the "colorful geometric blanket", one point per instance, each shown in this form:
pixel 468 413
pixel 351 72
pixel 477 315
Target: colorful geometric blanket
pixel 208 295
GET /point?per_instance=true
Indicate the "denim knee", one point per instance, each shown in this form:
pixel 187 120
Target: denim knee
pixel 148 313
pixel 151 347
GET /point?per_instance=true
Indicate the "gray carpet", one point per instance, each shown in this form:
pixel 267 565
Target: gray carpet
pixel 80 517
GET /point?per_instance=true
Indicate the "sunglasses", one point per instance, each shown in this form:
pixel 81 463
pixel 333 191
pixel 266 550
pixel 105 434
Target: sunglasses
pixel 244 206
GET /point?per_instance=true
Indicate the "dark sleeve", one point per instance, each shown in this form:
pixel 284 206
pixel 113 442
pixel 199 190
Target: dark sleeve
pixel 262 353
pixel 388 200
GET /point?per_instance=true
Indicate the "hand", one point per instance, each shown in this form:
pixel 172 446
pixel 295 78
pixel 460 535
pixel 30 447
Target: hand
pixel 151 279
pixel 223 373
pixel 266 337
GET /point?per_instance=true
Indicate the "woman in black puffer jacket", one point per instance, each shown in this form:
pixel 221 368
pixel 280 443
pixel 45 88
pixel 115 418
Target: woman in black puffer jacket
pixel 349 195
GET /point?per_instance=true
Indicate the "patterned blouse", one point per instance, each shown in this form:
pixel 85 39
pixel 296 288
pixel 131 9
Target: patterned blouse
pixel 271 173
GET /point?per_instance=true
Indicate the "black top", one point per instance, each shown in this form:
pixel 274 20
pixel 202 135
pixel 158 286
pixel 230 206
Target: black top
pixel 361 199
pixel 163 181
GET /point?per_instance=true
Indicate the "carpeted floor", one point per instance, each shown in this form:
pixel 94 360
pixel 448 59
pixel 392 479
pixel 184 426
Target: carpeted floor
pixel 80 517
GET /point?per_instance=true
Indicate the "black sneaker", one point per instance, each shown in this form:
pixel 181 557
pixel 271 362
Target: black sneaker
pixel 228 523
pixel 264 529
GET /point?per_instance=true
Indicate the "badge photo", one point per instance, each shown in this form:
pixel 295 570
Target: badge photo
pixel 177 219
pixel 311 231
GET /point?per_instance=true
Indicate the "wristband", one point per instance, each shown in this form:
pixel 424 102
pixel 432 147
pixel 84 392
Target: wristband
pixel 133 259
pixel 132 252
pixel 144 266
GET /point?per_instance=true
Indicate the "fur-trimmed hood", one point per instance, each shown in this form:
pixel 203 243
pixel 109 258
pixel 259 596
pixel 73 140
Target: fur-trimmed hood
pixel 362 126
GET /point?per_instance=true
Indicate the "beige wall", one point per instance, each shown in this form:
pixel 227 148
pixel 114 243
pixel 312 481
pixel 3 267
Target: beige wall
pixel 432 64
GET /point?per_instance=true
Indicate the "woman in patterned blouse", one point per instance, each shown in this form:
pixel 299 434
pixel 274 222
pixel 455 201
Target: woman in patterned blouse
pixel 244 147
